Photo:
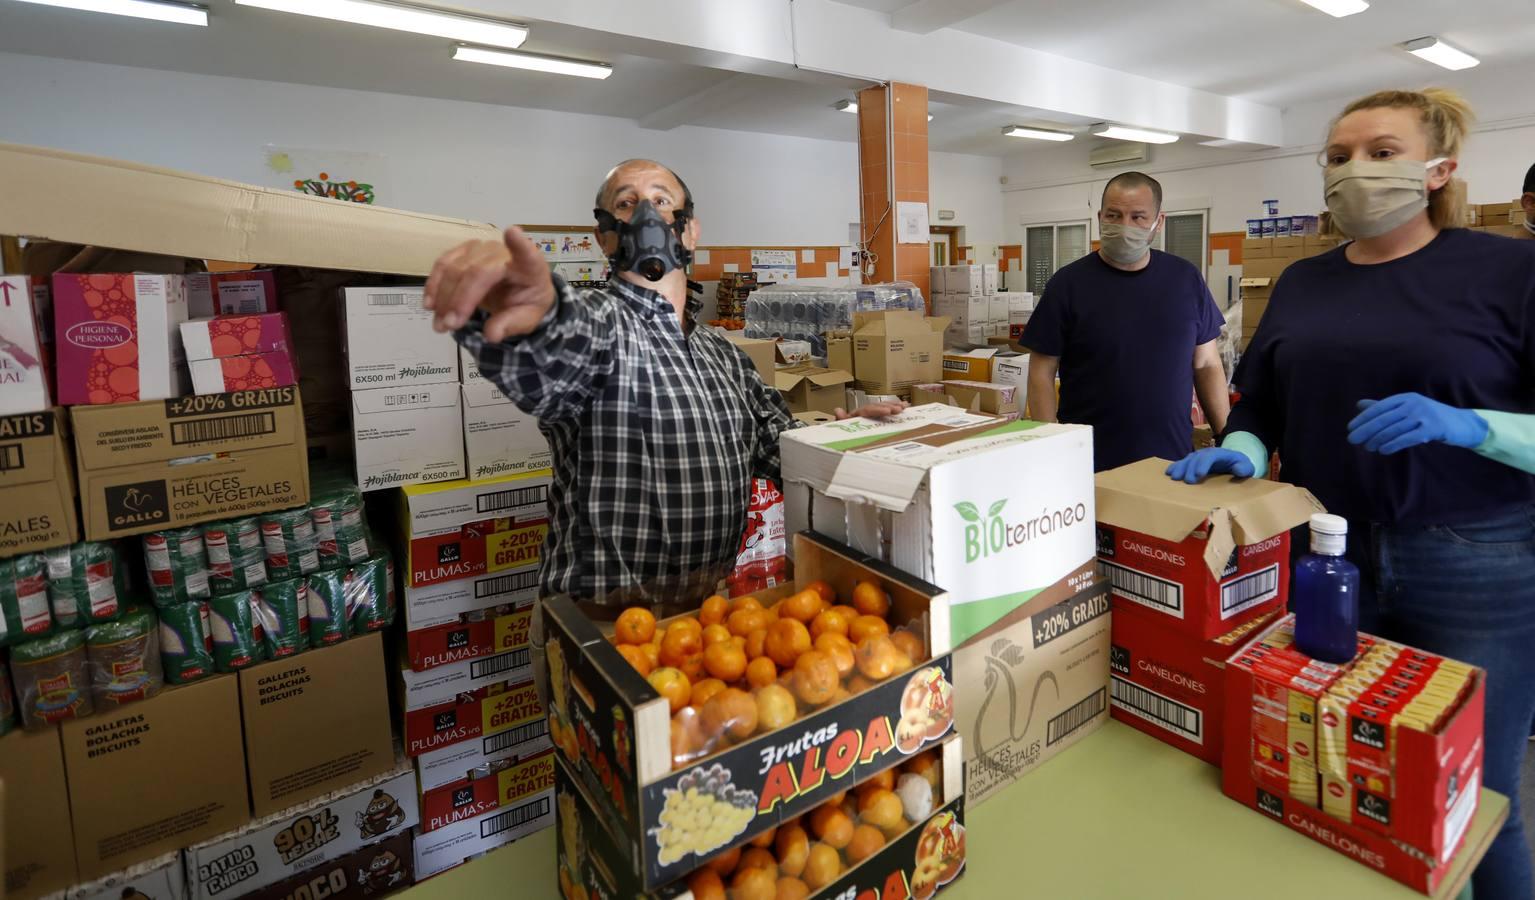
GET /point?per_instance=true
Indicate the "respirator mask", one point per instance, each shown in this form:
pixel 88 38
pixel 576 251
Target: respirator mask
pixel 647 243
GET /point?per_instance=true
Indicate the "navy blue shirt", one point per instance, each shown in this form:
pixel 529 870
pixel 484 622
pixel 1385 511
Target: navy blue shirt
pixel 1126 342
pixel 1454 321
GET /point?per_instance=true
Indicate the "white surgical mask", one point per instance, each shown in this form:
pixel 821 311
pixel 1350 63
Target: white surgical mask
pixel 1370 197
pixel 1125 244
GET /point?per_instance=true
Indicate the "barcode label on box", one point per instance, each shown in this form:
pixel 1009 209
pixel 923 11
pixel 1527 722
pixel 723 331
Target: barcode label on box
pixel 505 584
pixel 519 735
pixel 1249 591
pixel 1148 590
pixel 224 428
pixel 1164 712
pixel 387 299
pixel 11 457
pixel 501 662
pixel 501 501
pixel 1080 714
pixel 515 816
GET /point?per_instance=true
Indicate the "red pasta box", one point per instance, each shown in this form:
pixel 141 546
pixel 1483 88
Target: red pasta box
pixel 226 293
pixel 247 372
pixel 479 548
pixel 1169 685
pixel 478 634
pixel 236 336
pixel 473 714
pixel 117 337
pixel 1204 557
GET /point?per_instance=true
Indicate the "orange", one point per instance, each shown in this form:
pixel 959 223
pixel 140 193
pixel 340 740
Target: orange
pixel 679 644
pixel 716 634
pixel 726 862
pixel 827 593
pixel 706 885
pixel 756 644
pixel 765 840
pixel 804 606
pixel 838 695
pixel 774 612
pixel 786 640
pixel 731 711
pixel 739 642
pixel 815 677
pixel 866 627
pixel 754 857
pixel 745 621
pixel 792 889
pixel 858 684
pixel 725 661
pixel 634 626
pixel 746 601
pixel 870 600
pixel 876 658
pixel 831 826
pixel 685 623
pixel 850 611
pixel 922 764
pixel 670 683
pixel 761 672
pixel 881 781
pixel 909 644
pixel 713 611
pixel 775 707
pixel 687 737
pixel 754 884
pixel 703 690
pixel 822 866
pixel 652 654
pixel 833 620
pixel 881 808
pixel 636 658
pixel 840 649
pixel 792 846
pixel 866 841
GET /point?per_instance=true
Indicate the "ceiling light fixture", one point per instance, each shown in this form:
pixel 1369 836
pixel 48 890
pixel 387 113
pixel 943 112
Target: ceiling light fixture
pixel 557 65
pixel 1038 134
pixel 403 18
pixel 1122 133
pixel 179 13
pixel 1338 8
pixel 848 106
pixel 1440 54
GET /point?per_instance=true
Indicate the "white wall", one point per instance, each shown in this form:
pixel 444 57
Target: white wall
pixel 970 186
pixel 470 160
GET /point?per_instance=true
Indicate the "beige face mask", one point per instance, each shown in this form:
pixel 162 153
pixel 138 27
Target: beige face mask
pixel 1370 197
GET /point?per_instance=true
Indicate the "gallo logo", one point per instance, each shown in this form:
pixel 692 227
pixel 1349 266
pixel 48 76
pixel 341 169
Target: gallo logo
pixel 1270 804
pixel 132 505
pixel 1119 659
pixel 1373 807
pixel 991 534
pixel 98 335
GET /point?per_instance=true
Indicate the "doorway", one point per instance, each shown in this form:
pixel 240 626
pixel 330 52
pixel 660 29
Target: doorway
pixel 944 241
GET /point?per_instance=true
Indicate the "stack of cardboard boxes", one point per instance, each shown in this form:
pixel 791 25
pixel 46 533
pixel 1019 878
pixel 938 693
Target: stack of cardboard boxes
pixel 499 438
pixel 1506 219
pixel 471 713
pixel 1263 260
pixel 730 296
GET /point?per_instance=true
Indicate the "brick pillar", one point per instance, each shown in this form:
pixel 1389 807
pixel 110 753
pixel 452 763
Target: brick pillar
pixel 892 155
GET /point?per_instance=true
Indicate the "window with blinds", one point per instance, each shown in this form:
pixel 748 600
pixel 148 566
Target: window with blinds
pixel 1186 236
pixel 1048 247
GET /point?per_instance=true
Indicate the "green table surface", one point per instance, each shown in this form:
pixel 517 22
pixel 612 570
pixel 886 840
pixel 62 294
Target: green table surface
pixel 1120 815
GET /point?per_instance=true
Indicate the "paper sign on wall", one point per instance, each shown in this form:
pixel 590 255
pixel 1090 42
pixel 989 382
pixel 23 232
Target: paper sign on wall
pixel 775 265
pixel 911 219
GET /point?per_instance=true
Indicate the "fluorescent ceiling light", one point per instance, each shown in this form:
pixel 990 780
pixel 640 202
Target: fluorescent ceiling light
pixel 850 106
pixel 1338 8
pixel 556 64
pixel 1224 143
pixel 1440 54
pixel 179 13
pixel 1038 134
pixel 403 18
pixel 1121 133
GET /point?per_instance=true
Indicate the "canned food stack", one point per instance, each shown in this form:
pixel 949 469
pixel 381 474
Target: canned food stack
pixel 473 722
pixel 794 313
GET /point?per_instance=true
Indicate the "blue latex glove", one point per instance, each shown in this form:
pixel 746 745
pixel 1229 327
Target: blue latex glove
pixel 1201 464
pixel 1406 420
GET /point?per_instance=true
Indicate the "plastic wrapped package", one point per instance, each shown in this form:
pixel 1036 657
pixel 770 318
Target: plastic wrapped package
pixel 186 642
pixel 236 555
pixel 87 583
pixel 52 679
pixel 341 531
pixel 291 548
pixel 124 657
pixel 238 641
pixel 282 608
pixel 367 596
pixel 177 563
pixel 24 609
pixel 805 313
pixel 327 606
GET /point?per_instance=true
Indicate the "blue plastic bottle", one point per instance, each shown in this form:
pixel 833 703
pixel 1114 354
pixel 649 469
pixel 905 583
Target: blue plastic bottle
pixel 1325 594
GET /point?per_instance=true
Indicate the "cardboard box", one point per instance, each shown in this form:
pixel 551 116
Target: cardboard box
pixel 440 685
pixel 165 463
pixel 793 353
pixel 760 352
pixel 447 602
pixel 812 388
pixel 965 337
pixel 366 872
pixel 1265 268
pixel 390 341
pixel 468 367
pixel 1509 231
pixel 610 723
pixel 408 435
pixel 839 351
pixel 1320 243
pixel 969 365
pixel 1012 369
pixel 37 483
pixel 509 708
pixel 499 438
pixel 963 310
pixel 118 338
pixel 1473 215
pixel 970 280
pixel 450 505
pixel 989 279
pixel 1291 247
pixel 1020 308
pixel 255 371
pixel 1497 213
pixel 936 280
pixel 1257 248
pixel 463 758
pixel 513 803
pixel 23 366
pixel 163 876
pixel 1206 557
pixel 148 745
pixel 296 840
pixel 1203 437
pixel 315 722
pixel 974 396
pixel 232 293
pixel 469 639
pixel 39 843
pixel 896 349
pixel 935 506
pixel 236 336
pixel 505 544
pixel 996 309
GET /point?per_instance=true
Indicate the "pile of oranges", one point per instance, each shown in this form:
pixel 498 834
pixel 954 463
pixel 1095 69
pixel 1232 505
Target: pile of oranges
pixel 803 855
pixel 737 668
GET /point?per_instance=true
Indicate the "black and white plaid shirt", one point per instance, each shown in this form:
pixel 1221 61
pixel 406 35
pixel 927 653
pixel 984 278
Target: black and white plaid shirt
pixel 655 436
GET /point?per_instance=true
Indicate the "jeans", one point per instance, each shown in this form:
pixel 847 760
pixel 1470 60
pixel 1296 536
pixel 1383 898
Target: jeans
pixel 1467 592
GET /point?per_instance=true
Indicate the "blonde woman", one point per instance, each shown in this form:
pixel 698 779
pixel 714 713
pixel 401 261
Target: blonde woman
pixel 1395 376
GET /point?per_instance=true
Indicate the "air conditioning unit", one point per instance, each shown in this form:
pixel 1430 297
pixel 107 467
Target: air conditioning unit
pixel 1116 153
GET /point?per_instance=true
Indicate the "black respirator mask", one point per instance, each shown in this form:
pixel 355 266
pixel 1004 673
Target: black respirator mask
pixel 647 244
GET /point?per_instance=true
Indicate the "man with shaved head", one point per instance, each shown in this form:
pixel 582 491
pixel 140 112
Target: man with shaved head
pixel 656 425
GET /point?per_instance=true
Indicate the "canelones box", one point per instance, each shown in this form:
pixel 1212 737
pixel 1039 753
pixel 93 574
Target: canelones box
pixel 37 483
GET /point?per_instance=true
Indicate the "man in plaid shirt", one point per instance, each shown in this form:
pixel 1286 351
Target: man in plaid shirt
pixel 656 426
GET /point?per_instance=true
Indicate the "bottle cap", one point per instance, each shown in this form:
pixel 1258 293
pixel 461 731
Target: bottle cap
pixel 1326 523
